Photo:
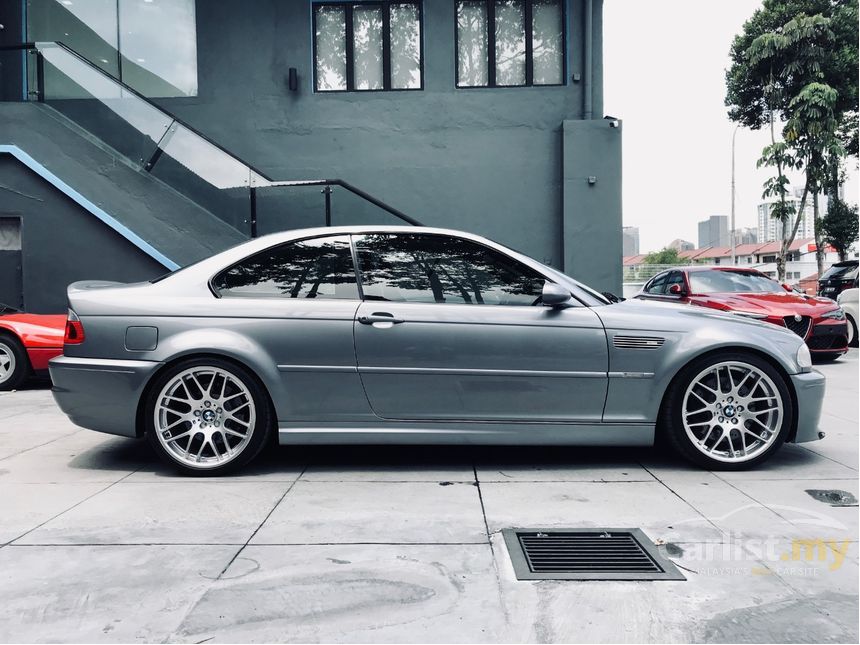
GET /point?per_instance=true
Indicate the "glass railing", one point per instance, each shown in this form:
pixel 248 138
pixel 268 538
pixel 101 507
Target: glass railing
pixel 157 142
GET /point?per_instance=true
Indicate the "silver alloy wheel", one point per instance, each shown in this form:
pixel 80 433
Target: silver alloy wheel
pixel 7 362
pixel 204 417
pixel 732 411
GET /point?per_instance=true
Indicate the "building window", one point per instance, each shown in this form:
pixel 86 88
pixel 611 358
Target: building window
pixel 510 43
pixel 367 46
pixel 150 45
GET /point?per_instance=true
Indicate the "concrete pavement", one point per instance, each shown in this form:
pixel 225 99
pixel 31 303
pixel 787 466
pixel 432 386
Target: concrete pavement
pixel 99 542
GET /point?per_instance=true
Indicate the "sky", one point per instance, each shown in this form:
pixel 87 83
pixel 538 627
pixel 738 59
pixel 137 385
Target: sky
pixel 664 76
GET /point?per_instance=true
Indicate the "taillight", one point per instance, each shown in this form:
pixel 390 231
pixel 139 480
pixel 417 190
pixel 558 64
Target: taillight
pixel 74 330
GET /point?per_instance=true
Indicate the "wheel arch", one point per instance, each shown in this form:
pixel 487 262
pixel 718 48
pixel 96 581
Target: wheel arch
pixel 140 425
pixel 741 349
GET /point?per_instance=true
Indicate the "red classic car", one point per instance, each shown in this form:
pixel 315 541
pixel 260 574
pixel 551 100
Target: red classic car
pixel 27 343
pixel 747 292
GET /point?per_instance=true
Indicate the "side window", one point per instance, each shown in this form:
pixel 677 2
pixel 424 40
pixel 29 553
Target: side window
pixel 441 269
pixel 675 277
pixel 316 268
pixel 657 285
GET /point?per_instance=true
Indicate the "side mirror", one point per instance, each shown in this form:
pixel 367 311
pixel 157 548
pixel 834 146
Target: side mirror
pixel 787 287
pixel 677 290
pixel 553 295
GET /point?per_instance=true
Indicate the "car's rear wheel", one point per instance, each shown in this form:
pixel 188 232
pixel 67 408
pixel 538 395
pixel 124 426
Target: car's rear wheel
pixel 728 412
pixel 852 332
pixel 14 364
pixel 207 416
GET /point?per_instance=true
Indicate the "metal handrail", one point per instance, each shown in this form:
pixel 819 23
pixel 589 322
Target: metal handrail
pixel 34 46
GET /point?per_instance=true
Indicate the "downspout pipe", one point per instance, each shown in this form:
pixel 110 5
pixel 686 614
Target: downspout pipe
pixel 588 107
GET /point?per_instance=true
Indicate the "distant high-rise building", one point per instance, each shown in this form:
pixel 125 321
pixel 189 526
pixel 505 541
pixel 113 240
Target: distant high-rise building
pixel 630 240
pixel 746 236
pixel 771 229
pixel 714 231
pixel 681 245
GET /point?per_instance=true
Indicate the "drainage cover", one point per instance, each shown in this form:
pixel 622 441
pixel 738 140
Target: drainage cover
pixel 586 554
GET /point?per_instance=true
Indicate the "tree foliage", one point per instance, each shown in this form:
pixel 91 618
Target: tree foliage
pixel 663 256
pixel 833 57
pixel 840 226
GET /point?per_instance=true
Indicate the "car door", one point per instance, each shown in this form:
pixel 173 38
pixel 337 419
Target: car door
pixel 296 302
pixel 452 329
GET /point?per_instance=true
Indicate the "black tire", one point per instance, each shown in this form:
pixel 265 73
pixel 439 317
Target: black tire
pixel 261 431
pixel 12 347
pixel 853 324
pixel 671 427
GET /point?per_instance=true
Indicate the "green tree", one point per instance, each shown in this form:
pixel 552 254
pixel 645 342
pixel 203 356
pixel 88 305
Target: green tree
pixel 663 256
pixel 800 70
pixel 840 226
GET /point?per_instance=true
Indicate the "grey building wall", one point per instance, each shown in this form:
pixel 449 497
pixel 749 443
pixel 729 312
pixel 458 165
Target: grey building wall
pixel 592 202
pixel 488 160
pixel 714 231
pixel 61 242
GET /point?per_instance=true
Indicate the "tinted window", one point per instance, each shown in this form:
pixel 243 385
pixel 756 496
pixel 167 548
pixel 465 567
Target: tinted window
pixel 657 285
pixel 732 282
pixel 317 268
pixel 437 268
pixel 676 277
pixel 842 272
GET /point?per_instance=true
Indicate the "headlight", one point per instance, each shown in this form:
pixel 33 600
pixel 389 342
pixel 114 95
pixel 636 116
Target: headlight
pixel 836 314
pixel 804 358
pixel 750 314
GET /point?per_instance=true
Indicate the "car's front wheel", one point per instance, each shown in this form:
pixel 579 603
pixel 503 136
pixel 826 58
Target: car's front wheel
pixel 852 332
pixel 727 412
pixel 207 416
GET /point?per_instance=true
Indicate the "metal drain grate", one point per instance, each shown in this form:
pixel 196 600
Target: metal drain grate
pixel 586 554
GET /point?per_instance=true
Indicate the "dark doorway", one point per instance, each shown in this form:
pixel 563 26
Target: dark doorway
pixel 11 278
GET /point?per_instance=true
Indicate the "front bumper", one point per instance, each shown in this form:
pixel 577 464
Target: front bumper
pixel 101 394
pixel 829 337
pixel 809 389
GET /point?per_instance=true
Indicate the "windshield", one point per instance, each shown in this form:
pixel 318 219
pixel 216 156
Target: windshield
pixel 715 281
pixel 845 272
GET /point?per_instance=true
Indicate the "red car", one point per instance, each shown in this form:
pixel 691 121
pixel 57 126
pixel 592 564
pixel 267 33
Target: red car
pixel 747 292
pixel 27 343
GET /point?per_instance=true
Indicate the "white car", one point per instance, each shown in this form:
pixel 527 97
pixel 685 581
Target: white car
pixel 848 301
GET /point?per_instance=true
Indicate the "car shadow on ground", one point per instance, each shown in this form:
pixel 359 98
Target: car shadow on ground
pixel 454 463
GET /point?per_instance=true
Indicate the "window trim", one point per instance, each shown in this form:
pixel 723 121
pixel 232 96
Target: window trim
pixel 385 5
pixel 215 292
pixel 491 47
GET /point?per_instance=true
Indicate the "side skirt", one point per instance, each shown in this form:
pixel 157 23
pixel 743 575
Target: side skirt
pixel 469 433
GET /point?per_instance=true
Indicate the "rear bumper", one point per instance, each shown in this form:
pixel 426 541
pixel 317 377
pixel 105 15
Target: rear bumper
pixel 809 389
pixel 101 394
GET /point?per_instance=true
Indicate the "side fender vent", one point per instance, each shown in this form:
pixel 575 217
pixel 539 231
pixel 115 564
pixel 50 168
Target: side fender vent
pixel 638 342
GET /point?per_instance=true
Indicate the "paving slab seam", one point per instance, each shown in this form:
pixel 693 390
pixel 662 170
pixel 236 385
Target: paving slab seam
pixel 73 506
pixel 21 452
pixel 260 525
pixel 687 502
pixel 760 503
pixel 836 461
pixel 496 571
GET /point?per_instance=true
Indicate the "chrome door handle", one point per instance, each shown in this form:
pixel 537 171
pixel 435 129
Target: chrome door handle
pixel 379 317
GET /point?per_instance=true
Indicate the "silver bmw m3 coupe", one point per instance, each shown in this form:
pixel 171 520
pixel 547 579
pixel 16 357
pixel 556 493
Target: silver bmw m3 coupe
pixel 418 335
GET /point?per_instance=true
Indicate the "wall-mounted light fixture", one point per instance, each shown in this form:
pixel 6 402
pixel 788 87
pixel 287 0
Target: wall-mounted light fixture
pixel 293 79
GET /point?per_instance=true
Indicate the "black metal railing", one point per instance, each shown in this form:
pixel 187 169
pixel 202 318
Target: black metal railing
pixel 158 142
